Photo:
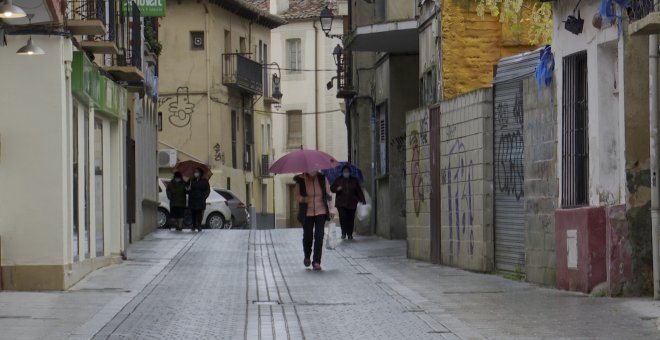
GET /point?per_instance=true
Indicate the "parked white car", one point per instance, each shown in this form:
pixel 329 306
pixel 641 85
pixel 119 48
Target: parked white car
pixel 216 216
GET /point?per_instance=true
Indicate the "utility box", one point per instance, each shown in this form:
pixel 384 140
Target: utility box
pixel 581 248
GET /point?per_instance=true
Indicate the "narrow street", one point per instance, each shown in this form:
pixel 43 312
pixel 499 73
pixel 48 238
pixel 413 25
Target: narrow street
pixel 239 284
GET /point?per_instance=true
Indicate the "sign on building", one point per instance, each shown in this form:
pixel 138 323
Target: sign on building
pixel 148 8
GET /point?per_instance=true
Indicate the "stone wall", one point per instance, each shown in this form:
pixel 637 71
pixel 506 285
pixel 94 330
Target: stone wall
pixel 418 184
pixel 540 184
pixel 471 45
pixel 467 181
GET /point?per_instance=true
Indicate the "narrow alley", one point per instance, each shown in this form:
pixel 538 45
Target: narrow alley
pixel 235 284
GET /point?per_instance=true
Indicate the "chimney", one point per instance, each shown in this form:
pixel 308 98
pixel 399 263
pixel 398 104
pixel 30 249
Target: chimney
pixel 279 6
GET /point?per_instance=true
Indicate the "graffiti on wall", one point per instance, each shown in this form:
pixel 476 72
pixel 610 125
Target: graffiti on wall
pixel 179 106
pixel 458 178
pixel 219 154
pixel 416 173
pixel 399 143
pixel 509 148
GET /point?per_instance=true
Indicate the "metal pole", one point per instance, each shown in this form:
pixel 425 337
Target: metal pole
pixel 655 193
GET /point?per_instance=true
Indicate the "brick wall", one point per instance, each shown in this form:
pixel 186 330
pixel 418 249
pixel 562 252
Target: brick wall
pixel 418 184
pixel 540 184
pixel 467 181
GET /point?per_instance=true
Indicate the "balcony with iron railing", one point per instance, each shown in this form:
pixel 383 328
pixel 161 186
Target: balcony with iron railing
pixel 644 17
pixel 241 73
pixel 109 27
pixel 91 21
pixel 128 35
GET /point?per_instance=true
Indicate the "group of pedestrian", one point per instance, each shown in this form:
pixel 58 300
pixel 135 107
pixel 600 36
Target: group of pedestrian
pixel 313 194
pixel 197 189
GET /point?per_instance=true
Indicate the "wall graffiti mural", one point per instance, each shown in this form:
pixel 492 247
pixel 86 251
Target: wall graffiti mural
pixel 219 154
pixel 509 148
pixel 179 106
pixel 399 143
pixel 459 190
pixel 416 173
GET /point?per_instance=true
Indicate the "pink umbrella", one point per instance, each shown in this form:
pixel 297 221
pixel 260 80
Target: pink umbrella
pixel 302 161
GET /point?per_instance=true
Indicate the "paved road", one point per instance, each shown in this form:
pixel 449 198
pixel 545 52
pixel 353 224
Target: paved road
pixel 235 284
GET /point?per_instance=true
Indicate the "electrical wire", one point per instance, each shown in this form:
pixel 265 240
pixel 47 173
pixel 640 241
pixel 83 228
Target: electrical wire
pixel 290 113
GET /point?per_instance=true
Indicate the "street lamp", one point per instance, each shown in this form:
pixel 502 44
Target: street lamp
pixel 277 89
pixel 326 18
pixel 337 54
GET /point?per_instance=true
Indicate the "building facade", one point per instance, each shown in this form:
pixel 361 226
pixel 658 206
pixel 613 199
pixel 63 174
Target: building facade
pixel 310 115
pixel 64 206
pixel 214 101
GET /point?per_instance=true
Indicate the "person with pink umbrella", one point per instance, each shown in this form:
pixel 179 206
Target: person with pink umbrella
pixel 312 192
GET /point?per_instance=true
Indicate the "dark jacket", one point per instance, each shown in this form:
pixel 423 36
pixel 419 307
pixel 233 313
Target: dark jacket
pixel 350 193
pixel 198 192
pixel 176 193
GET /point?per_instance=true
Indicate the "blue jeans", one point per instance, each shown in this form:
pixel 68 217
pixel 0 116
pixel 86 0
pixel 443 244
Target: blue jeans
pixel 313 235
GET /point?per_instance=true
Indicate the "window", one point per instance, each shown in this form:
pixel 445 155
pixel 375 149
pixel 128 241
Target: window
pixel 196 40
pixel 228 183
pixel 227 41
pixel 76 199
pixel 294 55
pixel 294 129
pixel 98 182
pixel 234 133
pixel 575 145
pixel 243 45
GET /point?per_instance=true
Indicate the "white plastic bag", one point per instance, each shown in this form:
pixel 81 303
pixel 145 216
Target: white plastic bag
pixel 331 236
pixel 364 210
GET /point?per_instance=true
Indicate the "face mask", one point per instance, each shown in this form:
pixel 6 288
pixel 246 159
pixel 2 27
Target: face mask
pixel 347 175
pixel 311 174
pixel 197 174
pixel 177 179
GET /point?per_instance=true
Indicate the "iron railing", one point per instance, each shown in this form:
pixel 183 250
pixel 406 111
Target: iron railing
pixel 265 166
pixel 242 73
pixel 87 9
pixel 641 8
pixel 125 30
pixel 344 75
pixel 575 143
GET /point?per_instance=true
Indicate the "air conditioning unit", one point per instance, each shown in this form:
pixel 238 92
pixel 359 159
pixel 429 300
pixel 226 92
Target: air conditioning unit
pixel 166 158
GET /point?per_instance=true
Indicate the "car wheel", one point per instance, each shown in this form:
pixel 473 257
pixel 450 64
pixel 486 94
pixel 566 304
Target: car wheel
pixel 163 218
pixel 215 221
pixel 230 224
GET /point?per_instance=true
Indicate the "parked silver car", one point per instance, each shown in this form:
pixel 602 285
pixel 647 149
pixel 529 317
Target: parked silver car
pixel 240 217
pixel 216 216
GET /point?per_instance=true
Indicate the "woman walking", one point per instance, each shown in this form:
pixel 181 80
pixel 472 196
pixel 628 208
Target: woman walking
pixel 199 190
pixel 349 193
pixel 312 192
pixel 176 193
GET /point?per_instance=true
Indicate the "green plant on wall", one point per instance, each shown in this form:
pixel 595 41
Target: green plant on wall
pixel 521 14
pixel 155 45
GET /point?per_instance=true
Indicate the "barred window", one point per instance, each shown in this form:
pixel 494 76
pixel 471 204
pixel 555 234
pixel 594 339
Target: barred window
pixel 575 137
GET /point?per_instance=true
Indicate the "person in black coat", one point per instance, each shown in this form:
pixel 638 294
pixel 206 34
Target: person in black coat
pixel 176 193
pixel 198 190
pixel 349 193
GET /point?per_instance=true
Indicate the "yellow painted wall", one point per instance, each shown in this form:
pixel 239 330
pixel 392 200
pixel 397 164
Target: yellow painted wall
pixel 471 46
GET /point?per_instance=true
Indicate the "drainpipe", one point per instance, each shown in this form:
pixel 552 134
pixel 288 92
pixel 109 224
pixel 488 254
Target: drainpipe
pixel 655 193
pixel 208 86
pixel 316 86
